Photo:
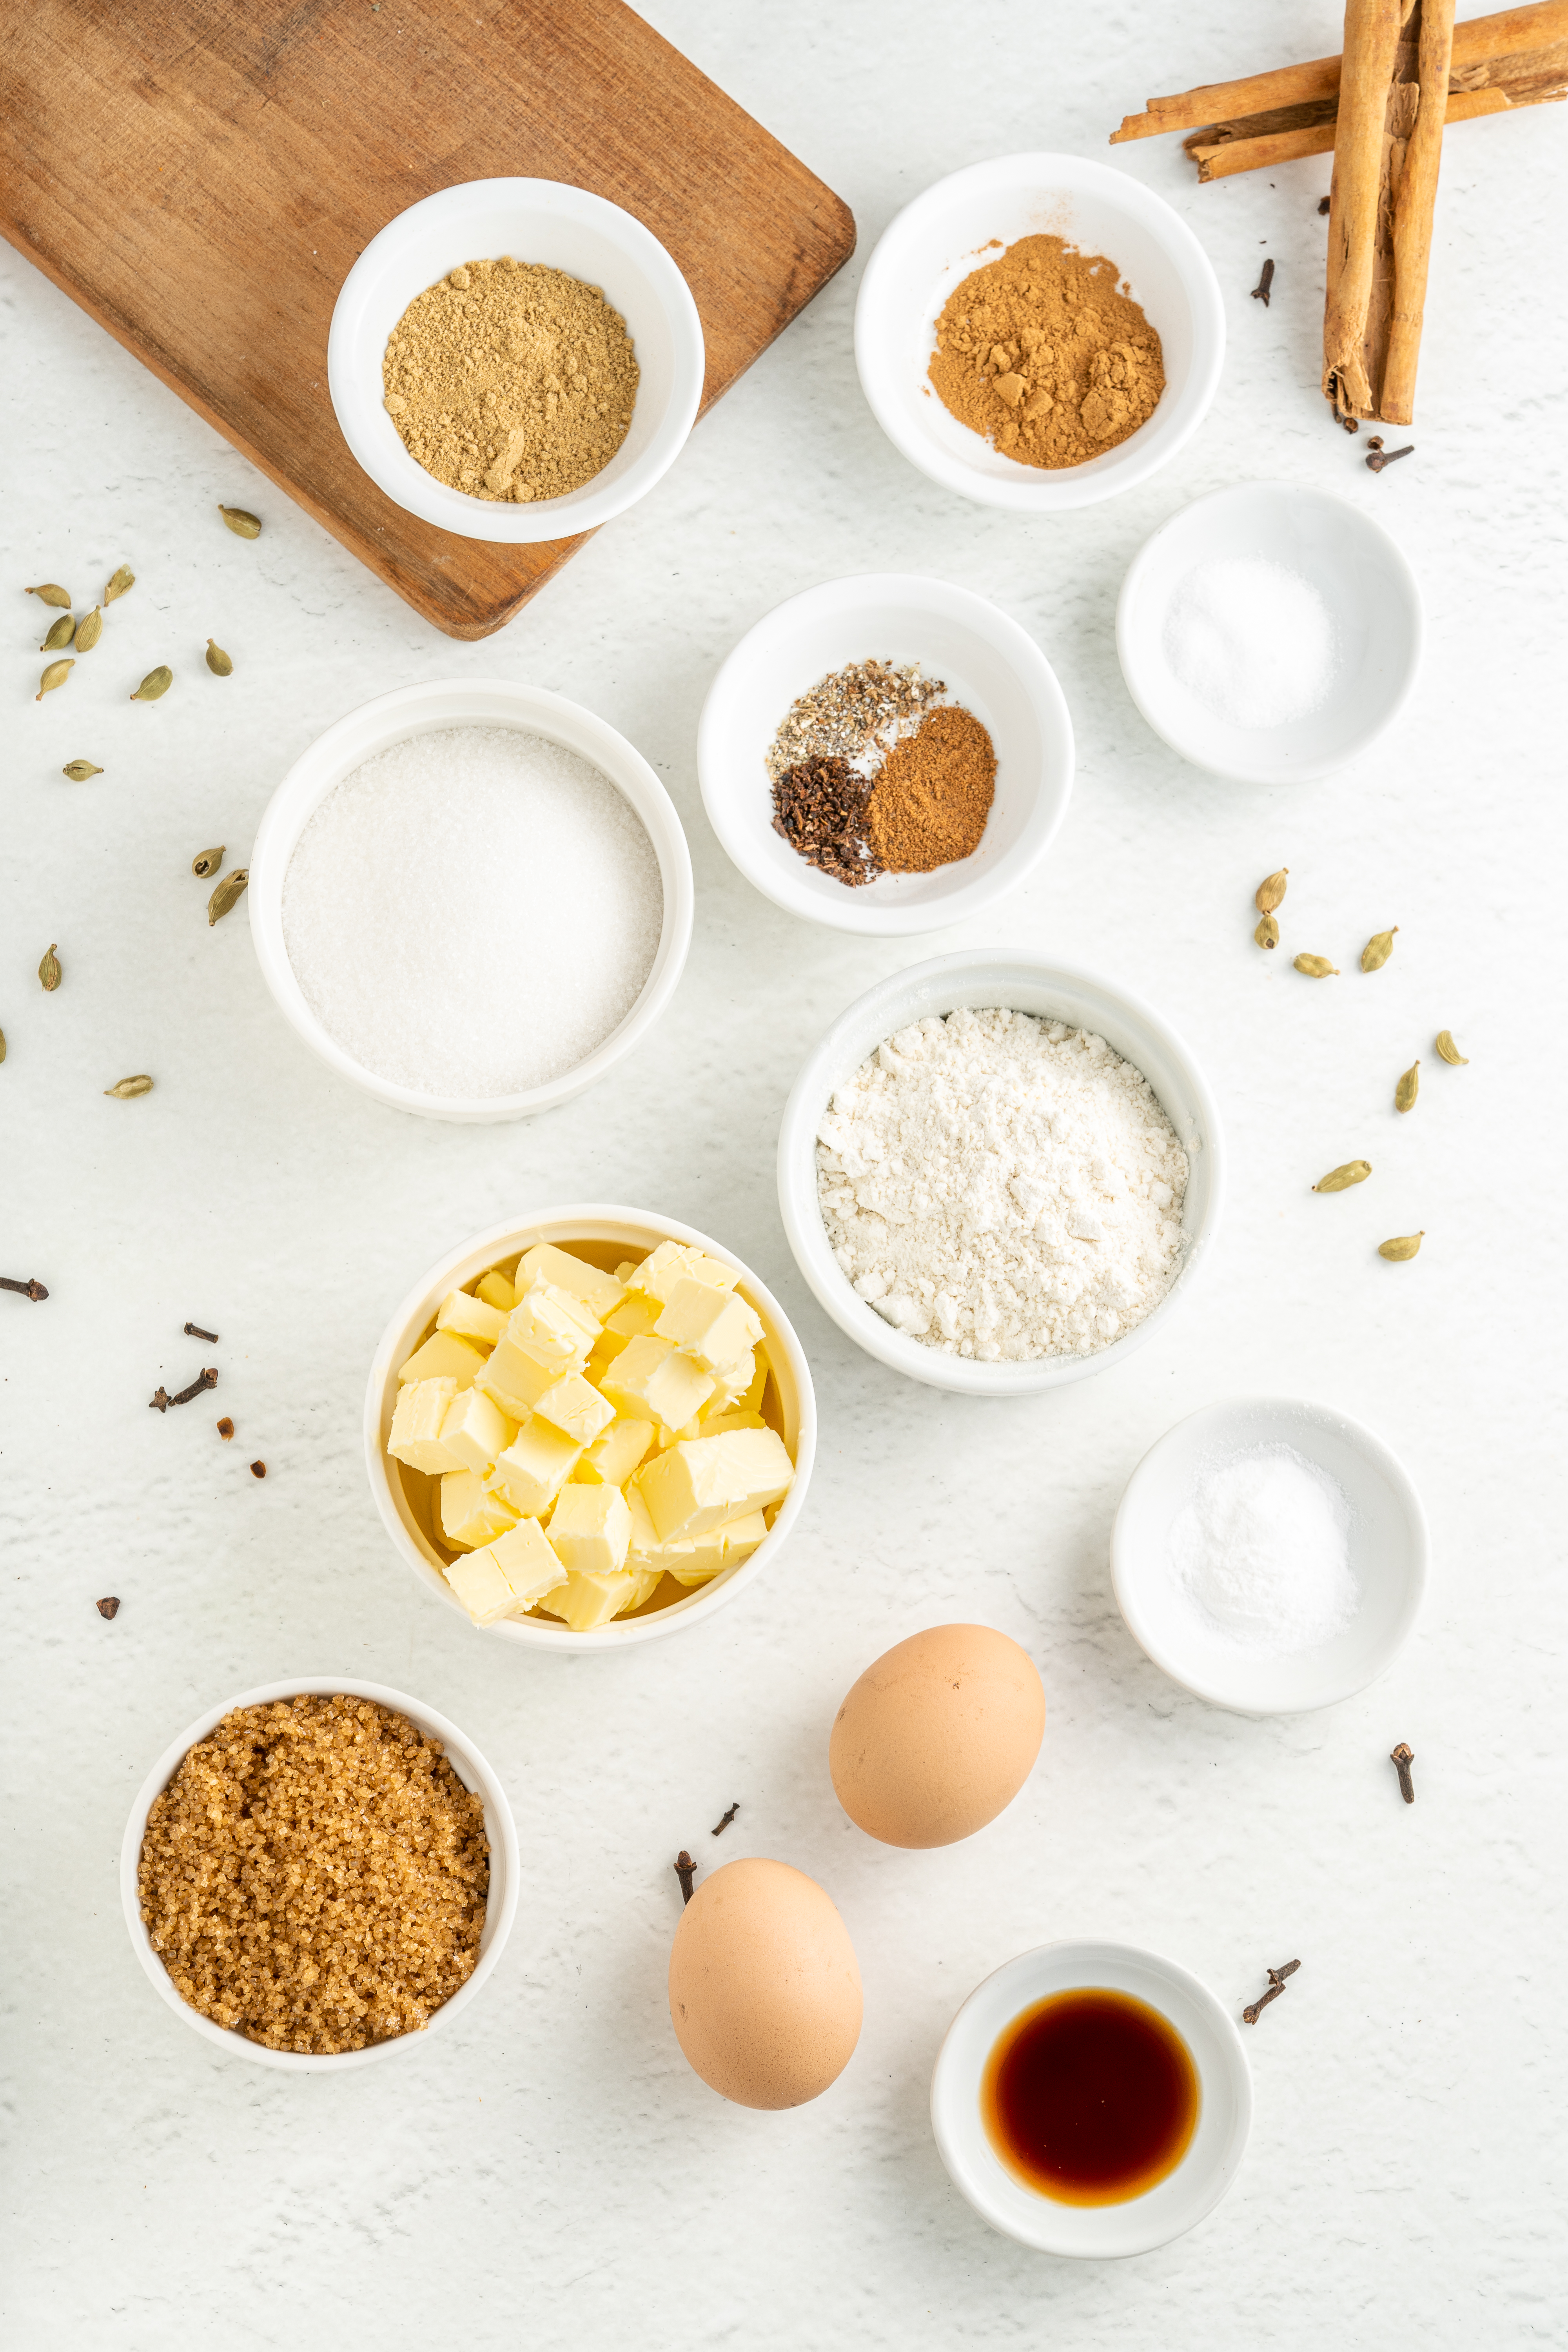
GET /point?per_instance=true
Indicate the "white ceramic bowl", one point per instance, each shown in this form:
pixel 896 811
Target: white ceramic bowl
pixel 418 710
pixel 533 220
pixel 1213 2155
pixel 988 662
pixel 635 1230
pixel 1389 1551
pixel 1025 985
pixel 937 241
pixel 471 1769
pixel 1361 575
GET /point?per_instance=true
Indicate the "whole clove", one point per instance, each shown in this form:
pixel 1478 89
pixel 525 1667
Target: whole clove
pixel 109 1606
pixel 1277 1977
pixel 1260 291
pixel 685 1870
pixel 258 1469
pixel 194 1331
pixel 718 1831
pixel 226 1427
pixel 1401 1758
pixel 163 1400
pixel 158 1400
pixel 1378 458
pixel 31 1288
pixel 1376 442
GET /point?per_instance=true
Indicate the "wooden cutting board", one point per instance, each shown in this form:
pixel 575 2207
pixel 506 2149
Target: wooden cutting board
pixel 201 175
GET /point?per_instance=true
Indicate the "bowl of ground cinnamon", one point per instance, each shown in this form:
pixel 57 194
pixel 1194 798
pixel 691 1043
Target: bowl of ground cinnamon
pixel 886 755
pixel 515 360
pixel 1038 332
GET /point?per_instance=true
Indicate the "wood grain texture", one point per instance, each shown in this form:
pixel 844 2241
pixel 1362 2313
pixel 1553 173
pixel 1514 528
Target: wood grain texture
pixel 202 177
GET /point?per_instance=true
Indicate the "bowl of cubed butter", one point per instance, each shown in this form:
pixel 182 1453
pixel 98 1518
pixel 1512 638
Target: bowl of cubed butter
pixel 592 1428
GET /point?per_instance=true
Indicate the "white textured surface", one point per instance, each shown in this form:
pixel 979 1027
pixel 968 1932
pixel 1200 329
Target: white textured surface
pixel 549 2173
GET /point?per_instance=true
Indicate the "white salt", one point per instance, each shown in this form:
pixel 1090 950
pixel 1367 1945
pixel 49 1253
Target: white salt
pixel 1261 1553
pixel 1254 641
pixel 472 912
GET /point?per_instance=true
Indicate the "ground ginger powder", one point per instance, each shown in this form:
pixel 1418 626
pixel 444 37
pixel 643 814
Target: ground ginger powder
pixel 1041 354
pixel 511 380
pixel 932 794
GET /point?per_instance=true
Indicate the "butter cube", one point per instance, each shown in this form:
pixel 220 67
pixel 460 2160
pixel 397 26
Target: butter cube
pixel 647 1556
pixel 529 1561
pixel 650 1379
pixel 572 1405
pixel 674 1262
pixel 632 1319
pixel 714 1424
pixel 713 1325
pixel 720 1548
pixel 513 1380
pixel 471 1318
pixel 445 1357
pixel 597 1290
pixel 481 1587
pixel 534 1468
pixel 615 1454
pixel 496 1291
pixel 476 1429
pixel 552 1327
pixel 591 1529
pixel 416 1438
pixel 648 1584
pixel 587 1600
pixel 704 1481
pixel 470 1514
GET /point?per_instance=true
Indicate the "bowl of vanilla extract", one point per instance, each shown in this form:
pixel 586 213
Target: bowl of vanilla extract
pixel 1091 2099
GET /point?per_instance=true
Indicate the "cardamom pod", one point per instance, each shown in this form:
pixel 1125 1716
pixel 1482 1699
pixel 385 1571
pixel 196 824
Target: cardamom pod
pixel 1271 891
pixel 49 969
pixel 1402 1245
pixel 1340 1179
pixel 1409 1087
pixel 1377 950
pixel 2 1045
pixel 1317 967
pixel 56 675
pixel 78 770
pixel 59 636
pixel 128 1086
pixel 227 895
pixel 1449 1051
pixel 156 682
pixel 244 526
pixel 207 863
pixel 88 630
pixel 53 594
pixel 1267 935
pixel 218 661
pixel 123 580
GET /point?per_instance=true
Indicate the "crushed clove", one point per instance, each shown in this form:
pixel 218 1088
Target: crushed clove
pixel 720 1827
pixel 194 1331
pixel 819 808
pixel 31 1288
pixel 1378 458
pixel 226 1427
pixel 1322 203
pixel 258 1469
pixel 1401 1758
pixel 109 1606
pixel 1260 291
pixel 1277 1977
pixel 685 1870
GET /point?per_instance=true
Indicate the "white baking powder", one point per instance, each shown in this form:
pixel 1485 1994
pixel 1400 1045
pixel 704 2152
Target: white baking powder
pixel 1260 1555
pixel 472 912
pixel 1002 1187
pixel 1254 641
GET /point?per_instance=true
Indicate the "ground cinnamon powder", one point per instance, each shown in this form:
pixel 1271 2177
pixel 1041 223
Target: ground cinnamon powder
pixel 1040 352
pixel 933 793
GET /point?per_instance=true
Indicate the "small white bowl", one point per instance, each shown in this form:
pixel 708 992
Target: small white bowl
pixel 635 1232
pixel 1096 2232
pixel 986 661
pixel 471 1769
pixel 1389 1552
pixel 1024 984
pixel 1362 577
pixel 410 710
pixel 936 241
pixel 533 220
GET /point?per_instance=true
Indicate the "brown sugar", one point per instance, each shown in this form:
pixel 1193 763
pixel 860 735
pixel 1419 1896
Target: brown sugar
pixel 1042 354
pixel 315 1875
pixel 932 794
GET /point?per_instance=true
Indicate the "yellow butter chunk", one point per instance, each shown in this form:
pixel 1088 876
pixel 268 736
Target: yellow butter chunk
pixel 713 1325
pixel 496 1291
pixel 529 1561
pixel 674 1262
pixel 722 1547
pixel 470 1514
pixel 533 1468
pixel 645 1584
pixel 704 1481
pixel 445 1356
pixel 422 1407
pixel 481 1587
pixel 647 1555
pixel 651 1378
pixel 514 1380
pixel 615 1454
pixel 586 1600
pixel 597 1290
pixel 476 1429
pixel 552 1327
pixel 714 1423
pixel 635 1317
pixel 591 1529
pixel 572 1405
pixel 471 1318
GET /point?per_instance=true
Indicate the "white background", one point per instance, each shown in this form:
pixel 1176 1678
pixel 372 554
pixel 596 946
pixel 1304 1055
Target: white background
pixel 549 2172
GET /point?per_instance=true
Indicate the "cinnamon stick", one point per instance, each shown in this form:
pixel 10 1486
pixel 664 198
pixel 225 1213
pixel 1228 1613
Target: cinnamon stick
pixel 1413 204
pixel 1254 143
pixel 1363 140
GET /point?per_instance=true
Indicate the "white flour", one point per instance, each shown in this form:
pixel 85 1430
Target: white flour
pixel 1002 1187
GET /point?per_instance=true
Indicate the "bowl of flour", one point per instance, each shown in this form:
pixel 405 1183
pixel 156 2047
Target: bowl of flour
pixel 1000 1174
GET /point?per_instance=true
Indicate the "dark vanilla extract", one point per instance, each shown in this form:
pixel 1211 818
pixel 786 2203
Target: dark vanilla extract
pixel 1091 2096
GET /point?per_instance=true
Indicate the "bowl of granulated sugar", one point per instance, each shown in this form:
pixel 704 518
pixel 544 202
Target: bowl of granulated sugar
pixel 472 897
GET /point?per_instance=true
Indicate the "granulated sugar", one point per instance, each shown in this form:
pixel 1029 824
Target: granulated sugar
pixel 1261 1553
pixel 1253 640
pixel 473 911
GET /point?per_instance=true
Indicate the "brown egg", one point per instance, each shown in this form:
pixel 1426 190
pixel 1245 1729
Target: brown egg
pixel 765 1990
pixel 938 1735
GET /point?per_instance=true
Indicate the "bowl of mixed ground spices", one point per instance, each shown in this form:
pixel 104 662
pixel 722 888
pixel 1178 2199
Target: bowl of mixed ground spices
pixel 886 755
pixel 515 360
pixel 1038 332
pixel 318 1873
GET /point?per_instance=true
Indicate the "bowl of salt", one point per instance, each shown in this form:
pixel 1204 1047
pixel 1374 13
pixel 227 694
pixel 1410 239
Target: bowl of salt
pixel 1269 1555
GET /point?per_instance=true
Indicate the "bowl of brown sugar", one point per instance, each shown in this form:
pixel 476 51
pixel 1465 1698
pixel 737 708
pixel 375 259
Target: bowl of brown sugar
pixel 319 1874
pixel 1038 332
pixel 515 360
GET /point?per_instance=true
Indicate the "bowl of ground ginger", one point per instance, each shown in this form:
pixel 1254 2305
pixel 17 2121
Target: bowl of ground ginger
pixel 319 1874
pixel 515 360
pixel 1038 332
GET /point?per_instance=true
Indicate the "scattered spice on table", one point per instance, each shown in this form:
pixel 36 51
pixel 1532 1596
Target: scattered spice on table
pixel 685 1870
pixel 1401 1758
pixel 194 1331
pixel 258 1469
pixel 1378 458
pixel 207 862
pixel 49 969
pixel 162 1400
pixel 1254 2009
pixel 226 1427
pixel 243 524
pixel 1260 291
pixel 31 1288
pixel 126 1089
pixel 78 770
pixel 932 794
pixel 722 1825
pixel 109 1606
pixel 220 664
